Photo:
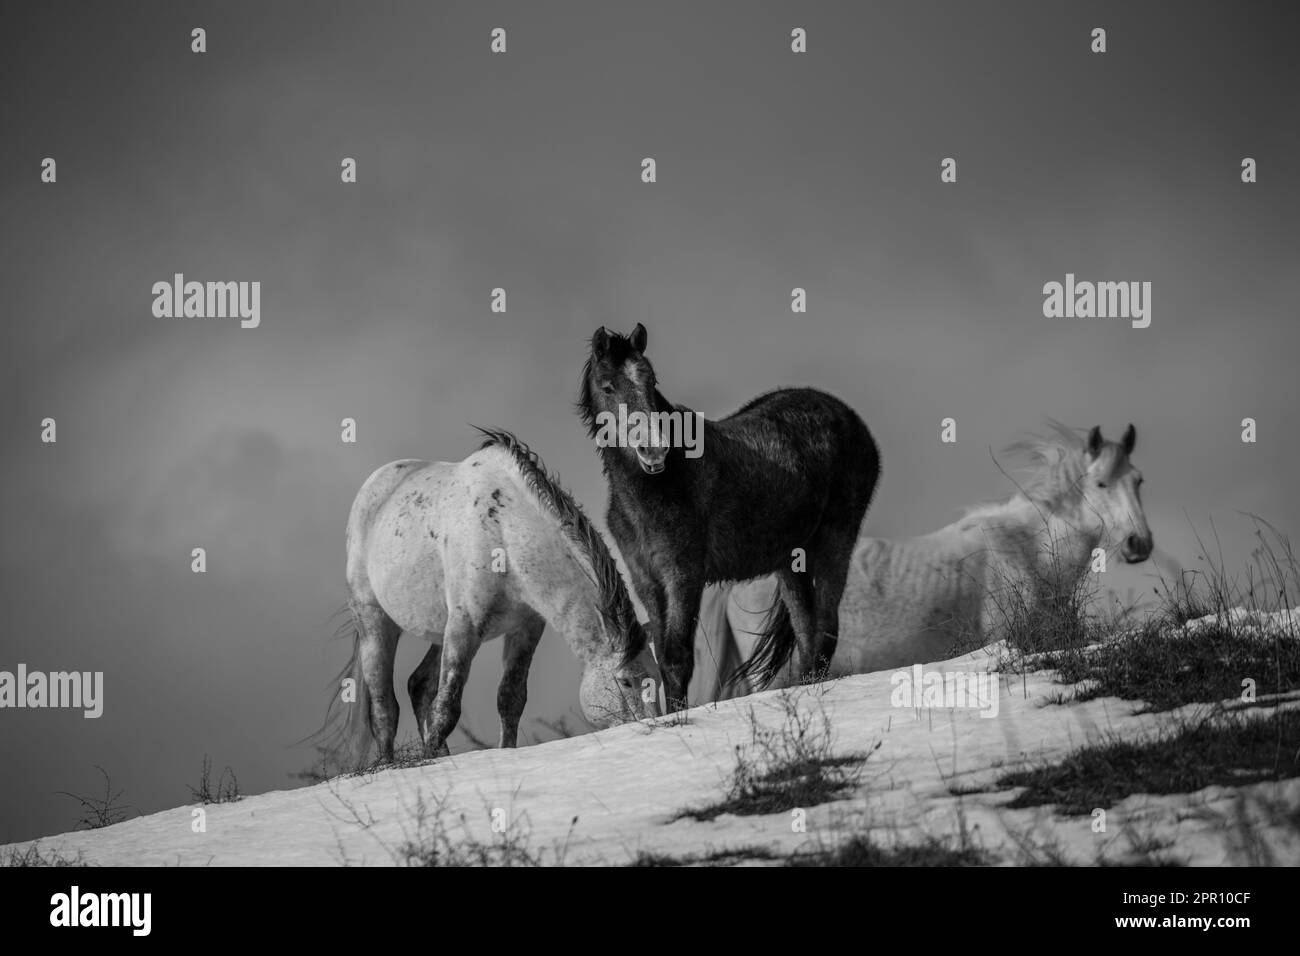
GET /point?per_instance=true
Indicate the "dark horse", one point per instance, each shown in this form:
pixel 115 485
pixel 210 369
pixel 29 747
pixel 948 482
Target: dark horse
pixel 780 486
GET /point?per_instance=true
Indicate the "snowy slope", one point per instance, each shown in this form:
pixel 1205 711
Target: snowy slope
pixel 625 785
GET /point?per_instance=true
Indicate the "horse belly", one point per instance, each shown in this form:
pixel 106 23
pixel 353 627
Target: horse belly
pixel 733 555
pixel 899 609
pixel 882 634
pixel 879 640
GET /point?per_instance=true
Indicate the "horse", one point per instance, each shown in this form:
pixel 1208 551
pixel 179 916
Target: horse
pixel 780 486
pixel 915 601
pixel 466 551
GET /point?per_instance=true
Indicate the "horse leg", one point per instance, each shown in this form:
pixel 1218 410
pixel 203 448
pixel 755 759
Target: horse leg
pixel 460 643
pixel 512 693
pixel 655 601
pixel 831 553
pixel 422 686
pixel 651 593
pixel 677 653
pixel 797 595
pixel 378 646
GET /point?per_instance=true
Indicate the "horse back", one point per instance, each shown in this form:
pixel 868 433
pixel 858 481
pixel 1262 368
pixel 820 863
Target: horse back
pixel 778 469
pixel 418 527
pixel 805 418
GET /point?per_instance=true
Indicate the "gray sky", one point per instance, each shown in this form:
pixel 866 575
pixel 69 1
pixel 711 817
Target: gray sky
pixel 522 171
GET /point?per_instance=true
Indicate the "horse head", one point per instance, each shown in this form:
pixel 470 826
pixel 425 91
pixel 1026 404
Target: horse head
pixel 619 401
pixel 616 688
pixel 1112 503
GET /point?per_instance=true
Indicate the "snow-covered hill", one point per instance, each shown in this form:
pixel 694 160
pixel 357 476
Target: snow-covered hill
pixel 610 796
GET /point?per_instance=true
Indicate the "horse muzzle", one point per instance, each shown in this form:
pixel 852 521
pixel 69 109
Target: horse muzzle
pixel 651 460
pixel 1136 549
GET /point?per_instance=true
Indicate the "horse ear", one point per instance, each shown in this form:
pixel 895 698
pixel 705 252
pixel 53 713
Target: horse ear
pixel 638 338
pixel 1129 440
pixel 1094 441
pixel 600 341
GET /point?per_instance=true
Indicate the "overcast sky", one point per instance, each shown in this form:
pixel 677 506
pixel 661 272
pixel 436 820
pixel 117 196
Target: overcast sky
pixel 522 171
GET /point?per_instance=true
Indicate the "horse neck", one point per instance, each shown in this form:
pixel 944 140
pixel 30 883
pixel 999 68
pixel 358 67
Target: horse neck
pixel 559 589
pixel 1068 544
pixel 1030 541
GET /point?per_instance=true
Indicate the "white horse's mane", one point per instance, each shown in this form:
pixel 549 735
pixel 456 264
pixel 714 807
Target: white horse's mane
pixel 615 603
pixel 1053 468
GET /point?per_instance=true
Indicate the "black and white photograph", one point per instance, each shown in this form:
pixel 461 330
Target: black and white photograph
pixel 710 434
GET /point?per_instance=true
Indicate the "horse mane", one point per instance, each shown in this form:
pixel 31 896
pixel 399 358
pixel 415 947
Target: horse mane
pixel 615 604
pixel 584 404
pixel 1055 466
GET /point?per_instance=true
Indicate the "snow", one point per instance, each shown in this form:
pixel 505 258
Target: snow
pixel 1284 623
pixel 604 797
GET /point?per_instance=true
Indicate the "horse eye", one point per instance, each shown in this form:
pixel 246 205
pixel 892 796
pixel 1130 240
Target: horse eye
pixel 607 388
pixel 1101 484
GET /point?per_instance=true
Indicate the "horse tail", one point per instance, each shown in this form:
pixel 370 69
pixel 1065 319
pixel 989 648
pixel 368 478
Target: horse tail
pixel 356 734
pixel 772 652
pixel 343 741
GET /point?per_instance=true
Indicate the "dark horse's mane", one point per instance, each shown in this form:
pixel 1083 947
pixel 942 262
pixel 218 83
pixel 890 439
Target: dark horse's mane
pixel 615 604
pixel 584 403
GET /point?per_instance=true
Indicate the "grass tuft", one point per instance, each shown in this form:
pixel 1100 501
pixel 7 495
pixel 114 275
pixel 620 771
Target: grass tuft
pixel 1226 749
pixel 32 856
pixel 100 812
pixel 224 790
pixel 787 767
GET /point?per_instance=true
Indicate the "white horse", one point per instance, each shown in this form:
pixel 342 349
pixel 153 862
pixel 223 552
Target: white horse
pixel 462 553
pixel 909 602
